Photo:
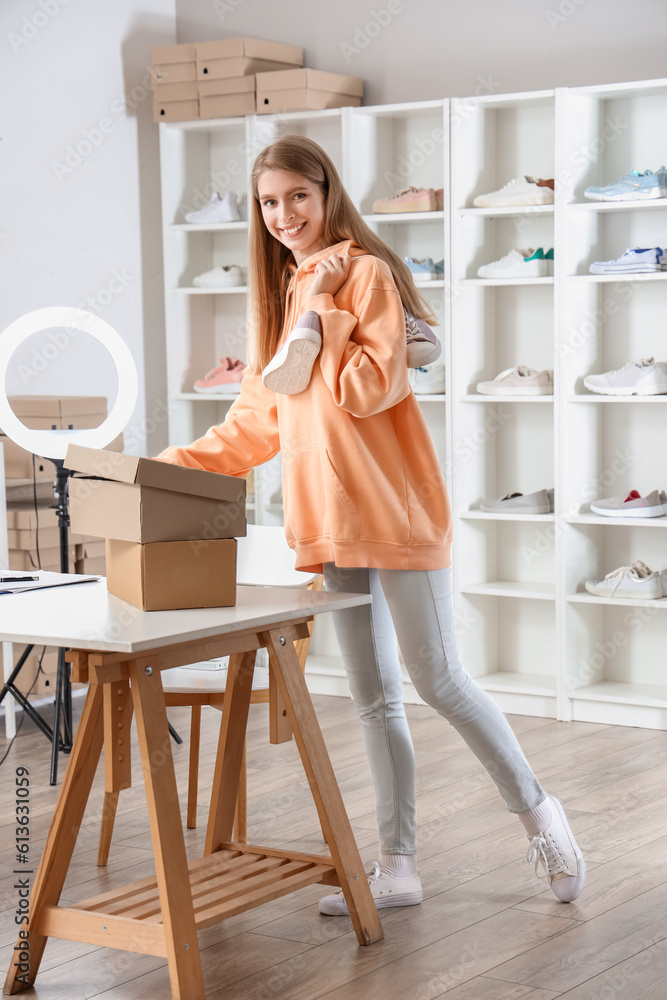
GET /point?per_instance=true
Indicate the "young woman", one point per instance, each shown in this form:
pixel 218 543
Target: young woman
pixel 366 502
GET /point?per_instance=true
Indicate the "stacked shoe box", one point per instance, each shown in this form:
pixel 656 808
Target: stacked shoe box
pixel 226 73
pixel 306 90
pixel 174 80
pixel 170 531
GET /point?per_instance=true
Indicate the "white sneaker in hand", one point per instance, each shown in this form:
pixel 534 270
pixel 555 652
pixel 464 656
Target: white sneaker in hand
pixel 387 890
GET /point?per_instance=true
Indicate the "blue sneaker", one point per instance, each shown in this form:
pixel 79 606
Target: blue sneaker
pixel 439 268
pixel 635 186
pixel 422 268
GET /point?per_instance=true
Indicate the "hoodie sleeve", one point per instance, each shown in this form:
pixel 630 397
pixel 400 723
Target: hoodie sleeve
pixel 248 437
pixel 364 357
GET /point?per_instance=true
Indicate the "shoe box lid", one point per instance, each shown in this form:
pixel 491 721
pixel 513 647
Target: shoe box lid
pixel 145 500
pixel 173 63
pixel 227 85
pixel 241 56
pixel 306 89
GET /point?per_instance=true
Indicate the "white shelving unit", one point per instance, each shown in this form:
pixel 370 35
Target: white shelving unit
pixel 526 628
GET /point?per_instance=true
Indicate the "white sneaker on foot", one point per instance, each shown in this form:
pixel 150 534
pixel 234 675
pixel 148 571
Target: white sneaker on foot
pixel 290 370
pixel 636 581
pixel 555 851
pixel 387 890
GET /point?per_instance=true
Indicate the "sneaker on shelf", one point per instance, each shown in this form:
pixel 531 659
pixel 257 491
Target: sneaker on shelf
pixel 663 581
pixel 427 381
pixel 226 276
pixel 290 370
pixel 386 889
pixel 243 207
pixel 629 582
pixel 634 505
pixel 524 190
pixel 547 257
pixel 540 502
pixel 663 259
pixel 515 264
pixel 423 346
pixel 226 377
pixel 645 377
pixel 520 381
pixel 421 268
pixel 555 851
pixel 439 199
pixel 634 186
pixel 216 210
pixel 439 268
pixel 412 199
pixel 637 261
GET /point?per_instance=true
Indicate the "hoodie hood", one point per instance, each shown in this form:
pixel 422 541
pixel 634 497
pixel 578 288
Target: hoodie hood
pixel 345 246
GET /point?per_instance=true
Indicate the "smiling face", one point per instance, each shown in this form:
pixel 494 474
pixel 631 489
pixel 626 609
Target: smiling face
pixel 293 211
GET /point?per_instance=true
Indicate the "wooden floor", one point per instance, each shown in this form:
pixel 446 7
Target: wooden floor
pixel 487 929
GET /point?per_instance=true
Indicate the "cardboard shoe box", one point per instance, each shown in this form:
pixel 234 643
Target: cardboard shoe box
pixel 175 102
pixel 306 90
pixel 228 57
pixel 173 63
pixel 144 500
pixel 227 97
pixel 166 576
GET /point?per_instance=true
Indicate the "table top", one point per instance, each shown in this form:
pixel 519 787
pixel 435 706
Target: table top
pixel 87 616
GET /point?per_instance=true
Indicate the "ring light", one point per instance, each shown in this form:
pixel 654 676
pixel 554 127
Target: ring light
pixel 53 444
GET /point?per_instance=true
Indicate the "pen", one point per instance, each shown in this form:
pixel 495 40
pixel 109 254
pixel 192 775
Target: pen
pixel 18 579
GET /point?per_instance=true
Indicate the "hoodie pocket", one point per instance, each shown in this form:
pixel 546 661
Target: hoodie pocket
pixel 316 502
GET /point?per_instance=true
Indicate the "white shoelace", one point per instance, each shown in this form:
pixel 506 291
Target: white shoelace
pixel 543 851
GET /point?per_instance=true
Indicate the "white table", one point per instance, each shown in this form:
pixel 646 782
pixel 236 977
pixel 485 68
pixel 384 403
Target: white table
pixel 121 652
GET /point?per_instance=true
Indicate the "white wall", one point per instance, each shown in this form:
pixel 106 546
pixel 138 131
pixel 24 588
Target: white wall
pixel 84 228
pixel 410 50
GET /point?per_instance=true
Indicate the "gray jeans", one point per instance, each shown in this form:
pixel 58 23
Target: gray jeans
pixel 415 608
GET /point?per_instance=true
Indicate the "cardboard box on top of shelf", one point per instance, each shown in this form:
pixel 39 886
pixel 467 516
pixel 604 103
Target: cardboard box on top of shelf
pixel 306 90
pixel 242 56
pixel 144 500
pixel 170 576
pixel 227 97
pixel 175 102
pixel 173 63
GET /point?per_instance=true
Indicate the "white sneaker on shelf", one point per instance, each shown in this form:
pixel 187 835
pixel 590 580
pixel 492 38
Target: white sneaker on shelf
pixel 427 381
pixel 555 851
pixel 515 264
pixel 243 207
pixel 636 261
pixel 520 381
pixel 226 276
pixel 524 190
pixel 386 889
pixel 629 582
pixel 540 502
pixel 216 210
pixel 634 505
pixel 645 377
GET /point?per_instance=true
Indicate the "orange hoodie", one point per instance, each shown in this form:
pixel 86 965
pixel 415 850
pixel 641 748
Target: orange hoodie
pixel 361 481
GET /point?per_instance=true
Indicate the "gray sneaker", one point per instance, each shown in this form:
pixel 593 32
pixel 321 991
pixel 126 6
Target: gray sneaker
pixel 634 505
pixel 541 502
pixel 631 582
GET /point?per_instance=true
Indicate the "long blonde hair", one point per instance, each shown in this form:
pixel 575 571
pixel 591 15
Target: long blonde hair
pixel 270 260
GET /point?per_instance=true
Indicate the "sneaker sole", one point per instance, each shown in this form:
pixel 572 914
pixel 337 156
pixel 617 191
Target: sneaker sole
pixel 518 390
pixel 581 872
pixel 629 595
pixel 626 269
pixel 423 353
pixel 417 206
pixel 654 390
pixel 293 375
pixel 509 203
pixel 634 512
pixel 383 903
pixel 541 509
pixel 630 196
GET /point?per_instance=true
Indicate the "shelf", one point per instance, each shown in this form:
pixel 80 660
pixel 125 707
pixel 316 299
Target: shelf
pixel 586 598
pixel 585 279
pixel 213 227
pixel 416 109
pixel 227 397
pixel 193 290
pixel 616 206
pixel 623 693
pixel 500 282
pixel 482 397
pixel 482 515
pixel 625 522
pixel 405 217
pixel 512 588
pixel 601 398
pixel 514 683
pixel 508 211
pixel 438 283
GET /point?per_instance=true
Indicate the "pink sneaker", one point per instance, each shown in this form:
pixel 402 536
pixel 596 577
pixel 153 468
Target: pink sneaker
pixel 410 200
pixel 423 346
pixel 225 378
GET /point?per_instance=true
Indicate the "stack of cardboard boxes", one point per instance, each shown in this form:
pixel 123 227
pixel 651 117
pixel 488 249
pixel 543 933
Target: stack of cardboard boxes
pixel 242 76
pixel 27 529
pixel 170 531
